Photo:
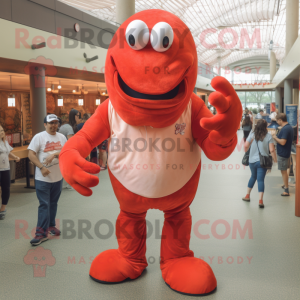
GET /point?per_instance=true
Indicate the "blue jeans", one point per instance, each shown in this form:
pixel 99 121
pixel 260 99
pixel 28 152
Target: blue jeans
pixel 257 173
pixel 48 194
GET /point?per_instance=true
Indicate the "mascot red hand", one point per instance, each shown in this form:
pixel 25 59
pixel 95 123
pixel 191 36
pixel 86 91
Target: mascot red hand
pixel 157 127
pixel 223 125
pixel 228 105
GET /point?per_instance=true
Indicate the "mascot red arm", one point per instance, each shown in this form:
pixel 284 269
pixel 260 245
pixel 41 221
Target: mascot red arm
pixel 157 128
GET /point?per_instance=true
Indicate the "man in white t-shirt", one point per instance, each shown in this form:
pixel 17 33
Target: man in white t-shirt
pixel 44 150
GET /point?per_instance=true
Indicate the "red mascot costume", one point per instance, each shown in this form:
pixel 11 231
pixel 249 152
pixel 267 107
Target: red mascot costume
pixel 157 127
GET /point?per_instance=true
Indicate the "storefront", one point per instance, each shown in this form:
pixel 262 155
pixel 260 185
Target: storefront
pixel 62 95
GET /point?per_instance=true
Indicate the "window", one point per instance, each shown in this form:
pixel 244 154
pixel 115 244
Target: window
pixel 60 102
pixel 97 101
pixel 11 102
pixel 80 102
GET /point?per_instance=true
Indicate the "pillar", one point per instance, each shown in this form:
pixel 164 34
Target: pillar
pixel 292 24
pixel 295 96
pixel 195 90
pixel 206 99
pixel 278 99
pixel 272 65
pixel 232 76
pixel 125 9
pixel 288 93
pixel 219 66
pixel 38 108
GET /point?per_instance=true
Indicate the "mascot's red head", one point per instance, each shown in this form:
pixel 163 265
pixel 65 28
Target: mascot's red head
pixel 151 68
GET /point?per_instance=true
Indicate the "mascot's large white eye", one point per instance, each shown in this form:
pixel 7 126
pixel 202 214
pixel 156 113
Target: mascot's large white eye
pixel 162 36
pixel 137 34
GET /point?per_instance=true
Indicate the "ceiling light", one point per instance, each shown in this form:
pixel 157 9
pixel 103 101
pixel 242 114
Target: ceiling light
pixel 97 101
pixel 49 89
pixel 74 91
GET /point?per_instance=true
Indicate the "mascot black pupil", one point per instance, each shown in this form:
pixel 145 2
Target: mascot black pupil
pixel 165 42
pixel 131 40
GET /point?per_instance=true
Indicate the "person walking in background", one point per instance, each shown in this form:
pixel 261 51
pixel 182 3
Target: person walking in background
pixel 5 154
pixel 251 116
pixel 59 124
pixel 273 123
pixel 85 117
pixel 284 141
pixel 262 142
pixel 44 151
pixel 260 114
pixel 246 112
pixel 273 115
pixel 69 129
pixel 103 147
pixel 247 126
pixel 93 154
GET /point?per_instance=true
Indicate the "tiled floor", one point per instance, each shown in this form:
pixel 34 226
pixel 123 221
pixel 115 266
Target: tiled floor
pixel 263 266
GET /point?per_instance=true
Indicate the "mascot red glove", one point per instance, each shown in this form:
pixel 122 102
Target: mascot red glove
pixel 157 127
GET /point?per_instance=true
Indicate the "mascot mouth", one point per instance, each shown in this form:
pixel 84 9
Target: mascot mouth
pixel 177 93
pixel 134 94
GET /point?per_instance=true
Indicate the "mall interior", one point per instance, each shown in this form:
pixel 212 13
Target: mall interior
pixel 53 59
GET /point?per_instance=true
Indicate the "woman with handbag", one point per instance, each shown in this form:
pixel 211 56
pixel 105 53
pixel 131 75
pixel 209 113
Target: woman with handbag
pixel 259 159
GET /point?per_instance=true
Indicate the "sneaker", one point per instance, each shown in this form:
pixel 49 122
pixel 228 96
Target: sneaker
pixel 247 198
pixel 261 204
pixel 102 168
pixel 54 231
pixel 2 215
pixel 38 239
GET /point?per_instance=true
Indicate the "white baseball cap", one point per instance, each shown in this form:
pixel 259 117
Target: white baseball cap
pixel 51 118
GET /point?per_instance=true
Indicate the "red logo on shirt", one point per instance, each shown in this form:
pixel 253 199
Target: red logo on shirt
pixel 52 146
pixel 179 128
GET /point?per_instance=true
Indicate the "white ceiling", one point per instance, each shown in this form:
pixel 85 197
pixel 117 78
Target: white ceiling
pixel 267 16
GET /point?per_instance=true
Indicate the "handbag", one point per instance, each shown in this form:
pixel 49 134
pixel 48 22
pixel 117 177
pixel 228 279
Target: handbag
pixel 265 161
pixel 245 160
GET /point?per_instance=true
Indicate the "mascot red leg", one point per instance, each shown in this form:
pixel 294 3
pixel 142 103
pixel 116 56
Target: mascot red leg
pixel 157 128
pixel 180 269
pixel 129 261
